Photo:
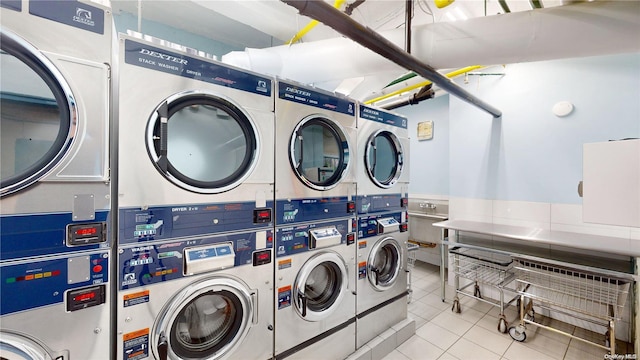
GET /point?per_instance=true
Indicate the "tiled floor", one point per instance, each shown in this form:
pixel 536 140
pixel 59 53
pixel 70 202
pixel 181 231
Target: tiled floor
pixel 472 334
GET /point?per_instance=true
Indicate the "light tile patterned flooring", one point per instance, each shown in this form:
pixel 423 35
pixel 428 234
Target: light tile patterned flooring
pixel 472 334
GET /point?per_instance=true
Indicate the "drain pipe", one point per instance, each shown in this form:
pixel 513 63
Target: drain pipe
pixel 368 38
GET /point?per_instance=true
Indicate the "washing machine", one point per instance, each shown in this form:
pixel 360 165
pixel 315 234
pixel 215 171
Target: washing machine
pixel 315 290
pixel 382 274
pixel 54 132
pixel 207 297
pixel 383 167
pixel 56 307
pixel 195 144
pixel 315 152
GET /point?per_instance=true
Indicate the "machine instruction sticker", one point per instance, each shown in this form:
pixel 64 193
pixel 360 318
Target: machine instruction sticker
pixel 362 270
pixel 284 297
pixel 362 245
pixel 284 264
pixel 136 298
pixel 136 345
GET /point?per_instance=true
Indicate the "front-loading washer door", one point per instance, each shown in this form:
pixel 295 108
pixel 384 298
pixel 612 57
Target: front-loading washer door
pixel 202 142
pixel 206 320
pixel 38 114
pixel 384 263
pixel 319 152
pixel 320 286
pixel 16 346
pixel 383 158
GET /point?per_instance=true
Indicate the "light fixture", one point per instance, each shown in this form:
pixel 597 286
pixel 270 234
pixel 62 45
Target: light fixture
pixel 443 3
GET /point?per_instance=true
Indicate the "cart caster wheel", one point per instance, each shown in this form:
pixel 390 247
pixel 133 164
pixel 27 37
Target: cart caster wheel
pixel 502 325
pixel 517 333
pixel 476 292
pixel 456 306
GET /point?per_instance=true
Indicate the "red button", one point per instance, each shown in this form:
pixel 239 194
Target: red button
pixel 97 268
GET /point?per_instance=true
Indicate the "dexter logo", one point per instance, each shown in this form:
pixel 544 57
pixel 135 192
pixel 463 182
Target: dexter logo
pixel 84 16
pixel 162 56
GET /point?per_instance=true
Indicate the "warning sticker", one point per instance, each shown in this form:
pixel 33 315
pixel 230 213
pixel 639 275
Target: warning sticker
pixel 362 270
pixel 136 298
pixel 362 245
pixel 284 264
pixel 136 345
pixel 284 297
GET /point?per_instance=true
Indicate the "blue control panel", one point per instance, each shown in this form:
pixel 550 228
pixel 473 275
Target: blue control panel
pixel 168 222
pixel 154 58
pixel 313 209
pixel 39 283
pixel 24 236
pixel 381 116
pixel 150 264
pixel 368 225
pixel 73 13
pixel 315 98
pixel 371 204
pixel 295 239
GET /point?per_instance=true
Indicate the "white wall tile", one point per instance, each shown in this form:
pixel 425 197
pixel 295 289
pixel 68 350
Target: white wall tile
pixel 522 210
pixel 470 209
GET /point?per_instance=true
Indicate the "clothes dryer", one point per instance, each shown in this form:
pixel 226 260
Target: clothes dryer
pixel 195 144
pixel 314 297
pixel 56 307
pixel 382 274
pixel 54 139
pixel 383 167
pixel 208 297
pixel 315 151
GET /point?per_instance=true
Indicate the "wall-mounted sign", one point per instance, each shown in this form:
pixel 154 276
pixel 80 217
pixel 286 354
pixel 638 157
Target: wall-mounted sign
pixel 425 130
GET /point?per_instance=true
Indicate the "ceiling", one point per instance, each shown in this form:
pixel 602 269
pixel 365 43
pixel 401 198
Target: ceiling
pixel 266 23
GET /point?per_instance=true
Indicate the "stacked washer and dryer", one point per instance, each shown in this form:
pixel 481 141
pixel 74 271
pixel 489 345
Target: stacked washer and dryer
pixel 55 187
pixel 315 223
pixel 195 199
pixel 383 179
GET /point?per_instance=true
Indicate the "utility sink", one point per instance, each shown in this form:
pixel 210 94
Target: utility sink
pixel 426 209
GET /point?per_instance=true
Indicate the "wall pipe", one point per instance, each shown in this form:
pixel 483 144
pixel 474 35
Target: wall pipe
pixel 310 25
pixel 368 38
pixel 407 25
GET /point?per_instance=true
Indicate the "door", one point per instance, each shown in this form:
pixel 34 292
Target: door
pixel 38 114
pixel 206 320
pixel 202 142
pixel 319 152
pixel 15 346
pixel 320 286
pixel 384 158
pixel 384 263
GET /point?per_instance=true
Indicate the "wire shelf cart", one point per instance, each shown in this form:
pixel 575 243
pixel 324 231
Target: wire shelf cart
pixel 482 267
pixel 590 294
pixel 411 261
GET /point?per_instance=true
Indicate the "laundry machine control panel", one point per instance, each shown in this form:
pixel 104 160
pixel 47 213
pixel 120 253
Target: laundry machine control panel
pixel 301 238
pixel 292 211
pixel 374 225
pixel 371 204
pixel 25 236
pixel 79 280
pixel 168 222
pixel 147 264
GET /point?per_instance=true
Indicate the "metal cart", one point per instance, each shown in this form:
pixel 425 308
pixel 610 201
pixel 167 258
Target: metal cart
pixel 412 248
pixel 482 267
pixel 590 294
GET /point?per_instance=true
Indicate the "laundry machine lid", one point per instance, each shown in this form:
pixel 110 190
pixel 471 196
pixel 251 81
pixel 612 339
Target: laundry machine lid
pixel 384 158
pixel 207 320
pixel 319 152
pixel 384 263
pixel 202 142
pixel 38 114
pixel 15 346
pixel 320 286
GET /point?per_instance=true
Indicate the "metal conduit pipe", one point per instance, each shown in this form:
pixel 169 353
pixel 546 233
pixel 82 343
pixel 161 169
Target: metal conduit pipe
pixel 407 25
pixel 368 38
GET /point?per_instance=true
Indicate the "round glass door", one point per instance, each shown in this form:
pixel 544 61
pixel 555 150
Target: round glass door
pixel 319 153
pixel 320 286
pixel 383 266
pixel 384 158
pixel 14 346
pixel 37 114
pixel 207 320
pixel 202 143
